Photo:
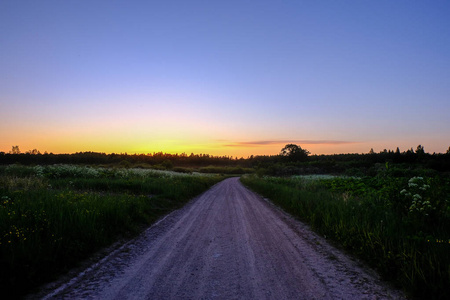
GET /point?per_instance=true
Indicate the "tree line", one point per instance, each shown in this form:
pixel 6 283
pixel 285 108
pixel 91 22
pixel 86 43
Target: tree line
pixel 291 155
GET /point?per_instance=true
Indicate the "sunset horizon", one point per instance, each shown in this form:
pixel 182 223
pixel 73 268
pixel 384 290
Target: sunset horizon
pixel 253 148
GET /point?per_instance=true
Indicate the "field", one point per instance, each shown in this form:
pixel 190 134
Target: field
pixel 52 217
pixel 394 217
pixel 398 225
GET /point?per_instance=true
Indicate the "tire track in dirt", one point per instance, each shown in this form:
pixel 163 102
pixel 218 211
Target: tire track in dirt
pixel 228 243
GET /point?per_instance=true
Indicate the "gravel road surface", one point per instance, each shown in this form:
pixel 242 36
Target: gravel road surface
pixel 228 243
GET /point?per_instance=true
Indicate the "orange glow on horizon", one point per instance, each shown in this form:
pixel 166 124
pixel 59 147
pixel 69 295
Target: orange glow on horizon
pixel 214 148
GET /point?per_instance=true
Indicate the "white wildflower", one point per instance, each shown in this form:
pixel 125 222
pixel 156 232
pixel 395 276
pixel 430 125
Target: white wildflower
pixel 417 197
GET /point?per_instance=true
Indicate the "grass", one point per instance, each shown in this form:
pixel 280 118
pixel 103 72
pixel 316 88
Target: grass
pixel 226 170
pixel 53 217
pixel 371 218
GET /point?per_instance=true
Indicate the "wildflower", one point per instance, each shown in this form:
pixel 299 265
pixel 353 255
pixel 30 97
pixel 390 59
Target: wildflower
pixel 415 179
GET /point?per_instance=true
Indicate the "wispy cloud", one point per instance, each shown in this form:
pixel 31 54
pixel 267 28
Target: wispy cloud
pixel 283 142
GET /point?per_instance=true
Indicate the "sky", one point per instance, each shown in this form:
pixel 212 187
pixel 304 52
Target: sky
pixel 233 78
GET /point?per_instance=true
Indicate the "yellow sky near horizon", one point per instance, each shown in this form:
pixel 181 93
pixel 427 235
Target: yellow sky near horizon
pixel 132 144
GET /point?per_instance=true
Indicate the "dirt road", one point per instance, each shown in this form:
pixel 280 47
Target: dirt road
pixel 229 243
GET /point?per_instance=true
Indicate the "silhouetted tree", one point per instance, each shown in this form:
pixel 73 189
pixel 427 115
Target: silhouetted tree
pixel 397 157
pixel 293 152
pixel 33 152
pixel 14 150
pixel 420 150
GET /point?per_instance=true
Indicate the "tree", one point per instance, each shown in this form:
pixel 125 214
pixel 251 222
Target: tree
pixel 14 150
pixel 293 152
pixel 33 152
pixel 420 150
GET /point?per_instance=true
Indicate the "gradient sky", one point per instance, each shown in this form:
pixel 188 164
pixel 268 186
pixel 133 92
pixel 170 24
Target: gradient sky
pixel 224 77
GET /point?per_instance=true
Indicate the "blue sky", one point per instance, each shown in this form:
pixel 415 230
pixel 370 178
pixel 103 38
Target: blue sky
pixel 225 78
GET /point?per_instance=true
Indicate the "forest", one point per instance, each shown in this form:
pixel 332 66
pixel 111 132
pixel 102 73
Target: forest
pixel 292 160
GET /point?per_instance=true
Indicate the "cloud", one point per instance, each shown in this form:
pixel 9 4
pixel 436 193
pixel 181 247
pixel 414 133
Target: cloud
pixel 283 142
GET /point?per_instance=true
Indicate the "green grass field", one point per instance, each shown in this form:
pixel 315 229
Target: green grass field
pixel 53 217
pixel 398 225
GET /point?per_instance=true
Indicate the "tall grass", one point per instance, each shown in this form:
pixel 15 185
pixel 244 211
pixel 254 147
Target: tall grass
pixel 413 253
pixel 225 170
pixel 53 217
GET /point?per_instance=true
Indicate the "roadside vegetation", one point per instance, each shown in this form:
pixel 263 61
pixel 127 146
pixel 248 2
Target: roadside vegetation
pixel 52 217
pixel 390 208
pixel 396 221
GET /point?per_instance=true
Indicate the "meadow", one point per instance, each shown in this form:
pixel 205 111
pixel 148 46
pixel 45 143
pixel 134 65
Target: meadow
pixel 52 217
pixel 398 225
